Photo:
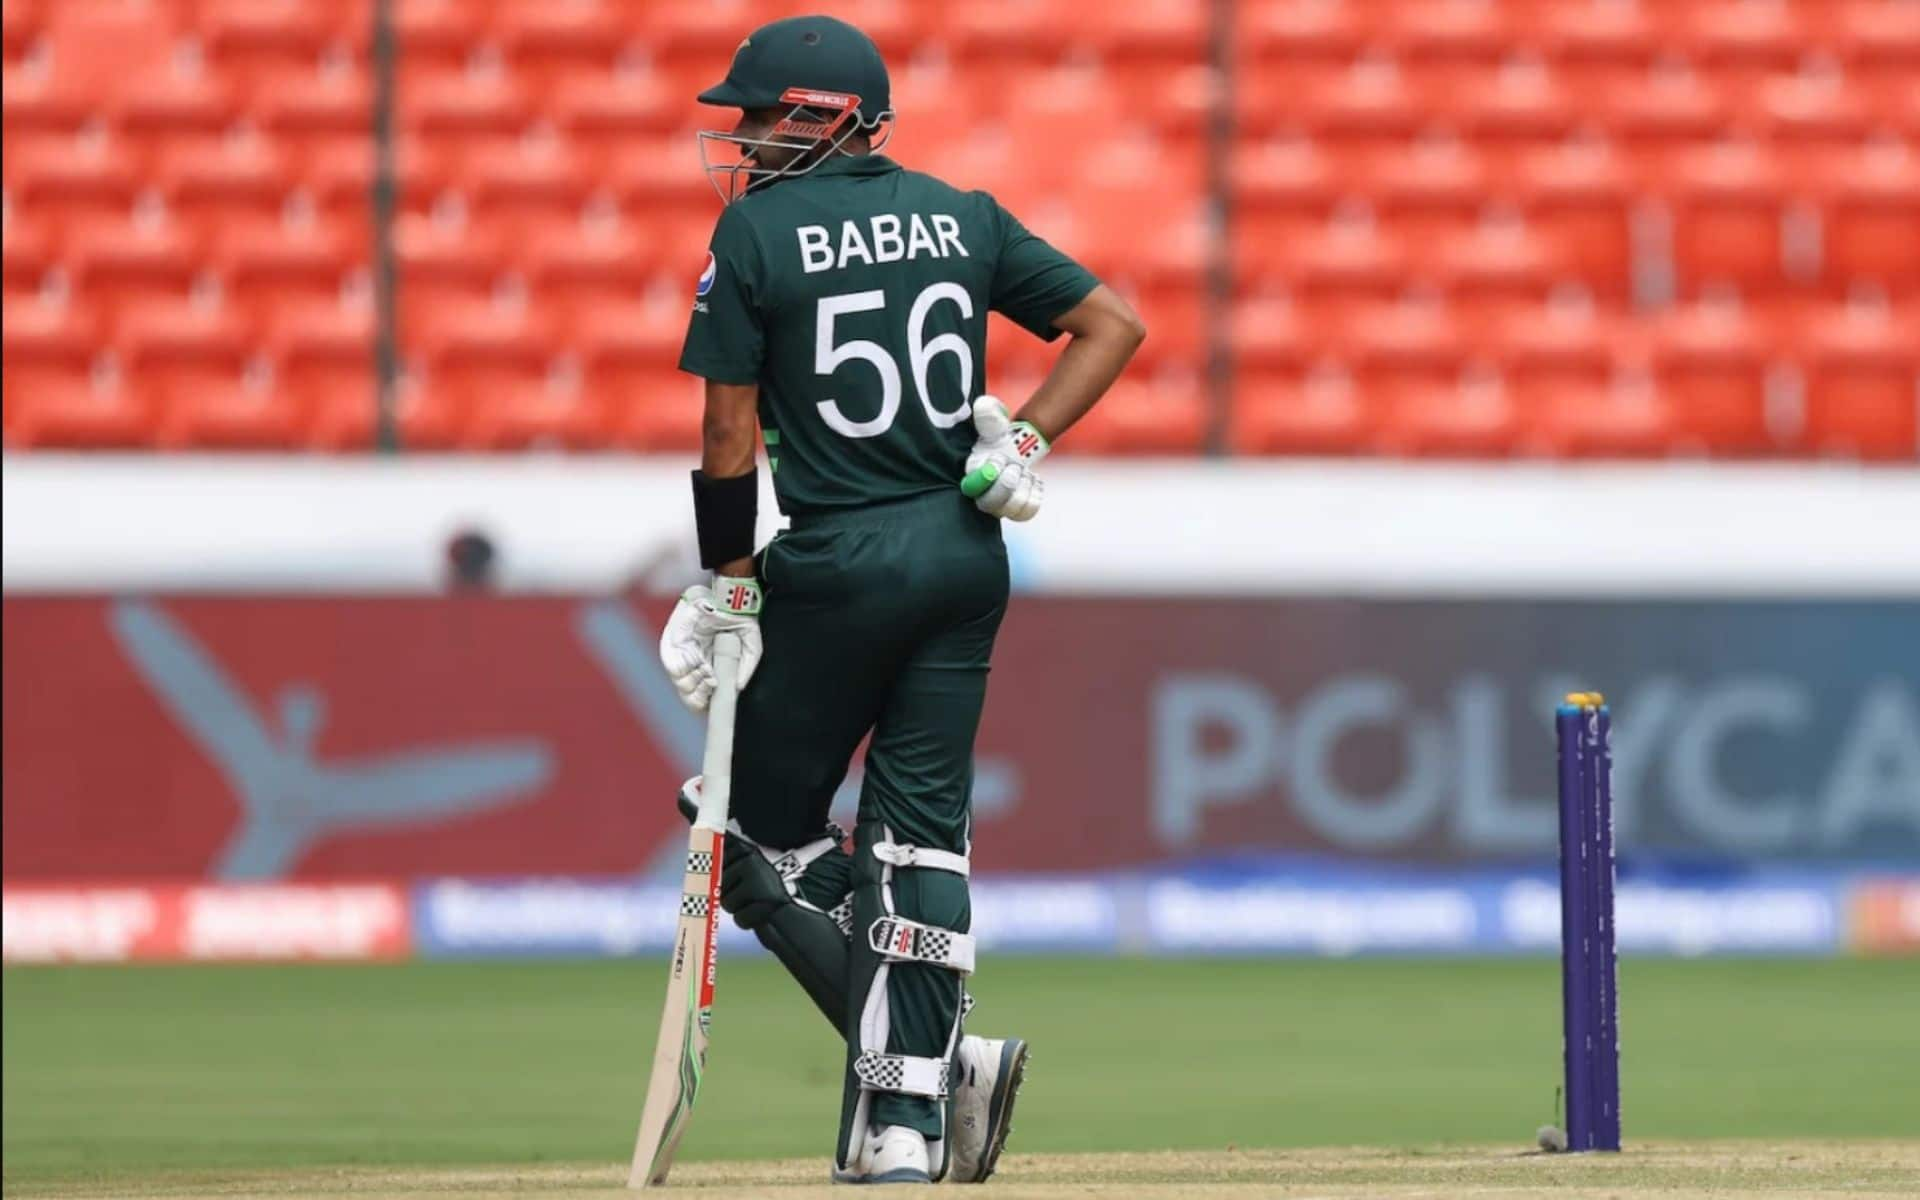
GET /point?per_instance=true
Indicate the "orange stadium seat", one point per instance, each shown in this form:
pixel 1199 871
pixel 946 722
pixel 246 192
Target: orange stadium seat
pixel 1287 173
pixel 1433 189
pixel 1661 110
pixel 1497 268
pixel 326 366
pixel 1408 360
pixel 552 411
pixel 189 358
pixel 241 410
pixel 69 178
pixel 1556 348
pixel 480 358
pixel 1164 32
pixel 172 99
pixel 1743 33
pixel 653 409
pixel 1589 40
pixel 47 345
pixel 272 264
pixel 1873 221
pixel 605 108
pixel 339 172
pixel 1728 206
pixel 280 36
pixel 303 107
pixel 1177 319
pixel 1863 383
pixel 464 103
pixel 1273 335
pixel 1151 415
pixel 1349 264
pixel 28 253
pixel 1580 197
pixel 91 411
pixel 1013 353
pixel 1289 33
pixel 121 262
pixel 185 334
pixel 1043 30
pixel 652 175
pixel 221 178
pixel 1372 101
pixel 93 51
pixel 1624 419
pixel 1709 360
pixel 1519 106
pixel 1467 416
pixel 424 417
pixel 642 333
pixel 547 43
pixel 522 181
pixel 32 100
pixel 443 262
pixel 579 266
pixel 1445 31
pixel 1795 111
pixel 1276 413
pixel 19 22
pixel 436 33
pixel 689 29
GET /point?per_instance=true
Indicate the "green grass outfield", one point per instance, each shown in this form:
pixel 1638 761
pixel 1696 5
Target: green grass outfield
pixel 116 1072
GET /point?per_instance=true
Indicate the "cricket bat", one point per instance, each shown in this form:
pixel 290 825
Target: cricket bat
pixel 680 1053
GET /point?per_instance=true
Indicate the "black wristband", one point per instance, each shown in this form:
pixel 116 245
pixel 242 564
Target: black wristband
pixel 724 512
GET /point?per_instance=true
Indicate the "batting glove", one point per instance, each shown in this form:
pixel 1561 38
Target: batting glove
pixel 1000 477
pixel 686 645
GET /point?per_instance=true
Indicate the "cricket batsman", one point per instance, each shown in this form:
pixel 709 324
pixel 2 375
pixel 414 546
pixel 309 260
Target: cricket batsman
pixel 840 319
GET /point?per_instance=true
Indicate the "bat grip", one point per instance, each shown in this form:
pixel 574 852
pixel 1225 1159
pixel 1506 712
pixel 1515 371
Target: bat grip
pixel 978 480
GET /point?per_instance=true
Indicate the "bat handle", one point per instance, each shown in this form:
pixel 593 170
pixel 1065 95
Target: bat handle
pixel 978 480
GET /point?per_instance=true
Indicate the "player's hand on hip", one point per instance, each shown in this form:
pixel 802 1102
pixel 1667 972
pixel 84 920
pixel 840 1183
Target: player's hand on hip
pixel 1000 478
pixel 686 645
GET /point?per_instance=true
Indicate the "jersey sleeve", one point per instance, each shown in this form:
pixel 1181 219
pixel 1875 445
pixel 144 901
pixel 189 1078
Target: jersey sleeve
pixel 726 337
pixel 1032 281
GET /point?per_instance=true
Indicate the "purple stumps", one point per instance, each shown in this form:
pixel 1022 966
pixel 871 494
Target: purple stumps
pixel 1589 988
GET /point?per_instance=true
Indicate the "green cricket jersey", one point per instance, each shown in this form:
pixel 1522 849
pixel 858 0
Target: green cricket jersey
pixel 856 297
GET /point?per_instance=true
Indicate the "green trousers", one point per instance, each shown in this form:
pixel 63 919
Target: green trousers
pixel 879 623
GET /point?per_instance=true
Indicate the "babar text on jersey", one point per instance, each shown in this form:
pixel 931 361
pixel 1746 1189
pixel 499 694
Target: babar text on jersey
pixel 887 239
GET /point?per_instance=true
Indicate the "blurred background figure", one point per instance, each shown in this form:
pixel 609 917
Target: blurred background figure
pixel 470 562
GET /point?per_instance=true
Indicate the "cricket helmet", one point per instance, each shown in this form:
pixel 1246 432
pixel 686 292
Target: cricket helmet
pixel 826 74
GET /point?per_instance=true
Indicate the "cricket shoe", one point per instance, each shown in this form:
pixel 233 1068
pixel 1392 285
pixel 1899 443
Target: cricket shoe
pixel 892 1154
pixel 990 1074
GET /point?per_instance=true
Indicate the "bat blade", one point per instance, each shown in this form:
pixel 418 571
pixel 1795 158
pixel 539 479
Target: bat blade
pixel 680 1053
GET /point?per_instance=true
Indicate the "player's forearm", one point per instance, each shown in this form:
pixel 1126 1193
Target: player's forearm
pixel 1105 333
pixel 1080 376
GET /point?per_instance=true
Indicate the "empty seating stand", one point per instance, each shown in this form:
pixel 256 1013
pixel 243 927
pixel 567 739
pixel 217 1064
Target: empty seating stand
pixel 1479 228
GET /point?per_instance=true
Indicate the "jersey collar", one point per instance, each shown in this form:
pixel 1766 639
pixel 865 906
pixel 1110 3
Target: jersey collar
pixel 855 164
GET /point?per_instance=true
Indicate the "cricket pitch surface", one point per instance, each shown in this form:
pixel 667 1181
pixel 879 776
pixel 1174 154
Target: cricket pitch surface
pixel 1717 1169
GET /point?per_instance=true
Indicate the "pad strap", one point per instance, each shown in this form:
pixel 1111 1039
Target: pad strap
pixel 902 1073
pixel 898 854
pixel 792 864
pixel 899 940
